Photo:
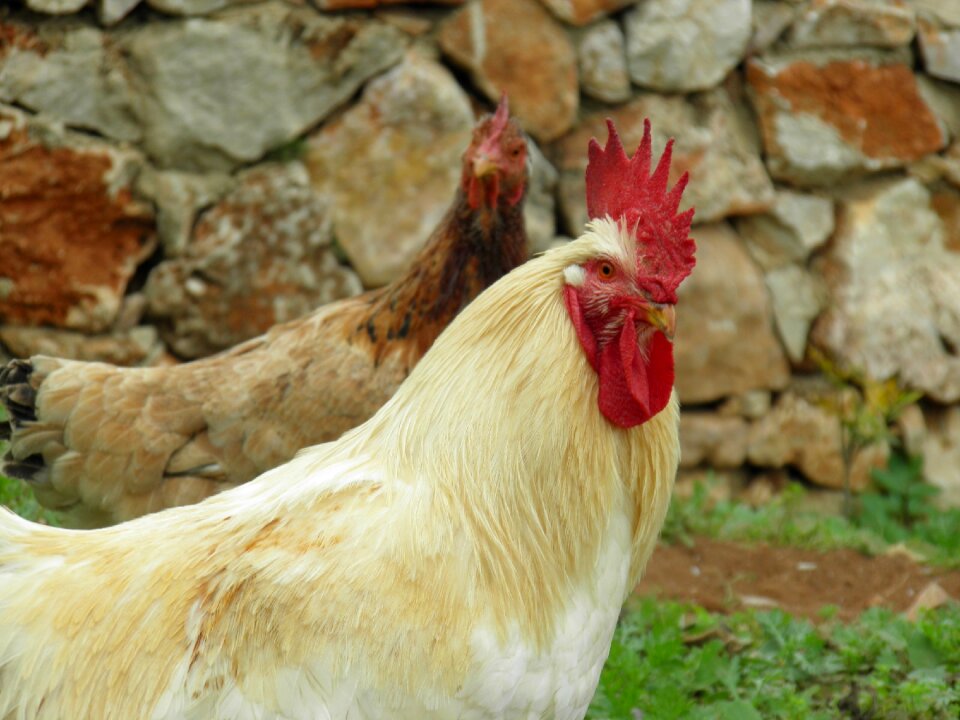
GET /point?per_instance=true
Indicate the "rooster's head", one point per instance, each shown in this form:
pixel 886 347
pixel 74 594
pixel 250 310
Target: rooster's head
pixel 621 299
pixel 495 164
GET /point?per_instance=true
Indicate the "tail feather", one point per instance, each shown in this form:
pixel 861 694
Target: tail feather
pixel 30 469
pixel 19 398
pixel 15 372
pixel 16 392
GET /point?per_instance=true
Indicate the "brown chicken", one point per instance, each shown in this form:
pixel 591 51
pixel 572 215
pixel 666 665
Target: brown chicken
pixel 108 444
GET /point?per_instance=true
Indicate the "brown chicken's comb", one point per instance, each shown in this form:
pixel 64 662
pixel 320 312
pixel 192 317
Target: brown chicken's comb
pixel 500 118
pixel 623 189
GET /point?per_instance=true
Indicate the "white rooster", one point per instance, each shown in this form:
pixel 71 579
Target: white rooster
pixel 463 554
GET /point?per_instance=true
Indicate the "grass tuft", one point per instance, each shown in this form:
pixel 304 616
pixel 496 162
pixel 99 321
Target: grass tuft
pixel 671 660
pixel 935 536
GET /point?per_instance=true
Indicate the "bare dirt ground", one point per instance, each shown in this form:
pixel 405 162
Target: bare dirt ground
pixel 724 576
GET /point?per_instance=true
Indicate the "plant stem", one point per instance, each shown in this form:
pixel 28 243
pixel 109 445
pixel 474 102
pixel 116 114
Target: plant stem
pixel 846 453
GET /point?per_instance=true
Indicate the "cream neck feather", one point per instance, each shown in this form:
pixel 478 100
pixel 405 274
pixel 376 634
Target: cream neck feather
pixel 500 421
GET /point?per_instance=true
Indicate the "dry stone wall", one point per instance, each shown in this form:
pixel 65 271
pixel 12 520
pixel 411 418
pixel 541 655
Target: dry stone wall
pixel 178 175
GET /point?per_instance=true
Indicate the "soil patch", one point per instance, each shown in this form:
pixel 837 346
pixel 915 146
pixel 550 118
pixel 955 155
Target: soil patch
pixel 724 576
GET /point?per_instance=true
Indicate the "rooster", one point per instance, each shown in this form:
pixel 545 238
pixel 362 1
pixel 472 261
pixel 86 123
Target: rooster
pixel 110 443
pixel 463 554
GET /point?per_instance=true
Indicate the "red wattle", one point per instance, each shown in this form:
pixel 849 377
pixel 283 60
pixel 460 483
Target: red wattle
pixel 660 375
pixel 624 397
pixel 632 388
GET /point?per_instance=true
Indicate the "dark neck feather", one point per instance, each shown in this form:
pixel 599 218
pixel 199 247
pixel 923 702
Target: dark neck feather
pixel 468 252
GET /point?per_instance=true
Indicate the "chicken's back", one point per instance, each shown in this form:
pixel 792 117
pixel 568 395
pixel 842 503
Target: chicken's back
pixel 237 607
pixel 108 444
pixel 61 645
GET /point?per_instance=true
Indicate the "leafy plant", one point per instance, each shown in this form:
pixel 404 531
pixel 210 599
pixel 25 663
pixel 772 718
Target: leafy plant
pixel 670 660
pixel 900 510
pixel 15 495
pixel 933 534
pixel 903 497
pixel 289 151
pixel 866 409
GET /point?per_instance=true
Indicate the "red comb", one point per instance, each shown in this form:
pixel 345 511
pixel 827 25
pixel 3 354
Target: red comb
pixel 500 117
pixel 623 189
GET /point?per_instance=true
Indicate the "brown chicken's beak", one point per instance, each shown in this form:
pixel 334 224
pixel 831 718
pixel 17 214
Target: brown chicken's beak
pixel 663 318
pixel 484 166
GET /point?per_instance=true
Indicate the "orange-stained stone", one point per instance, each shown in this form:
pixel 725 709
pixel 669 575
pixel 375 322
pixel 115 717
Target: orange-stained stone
pixel 72 236
pixel 876 109
pixel 517 47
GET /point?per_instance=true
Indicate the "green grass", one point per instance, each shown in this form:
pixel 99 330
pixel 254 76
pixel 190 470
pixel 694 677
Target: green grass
pixel 935 536
pixel 15 494
pixel 669 660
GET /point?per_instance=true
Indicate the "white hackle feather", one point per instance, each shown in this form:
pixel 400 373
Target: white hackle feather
pixel 463 554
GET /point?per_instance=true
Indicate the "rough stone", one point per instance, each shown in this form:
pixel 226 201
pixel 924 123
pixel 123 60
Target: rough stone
pixel 944 99
pixel 192 7
pixel 603 62
pixel 945 201
pixel 131 312
pixel 539 209
pixel 804 435
pixel 940 48
pixel 770 20
pixel 751 405
pixel 944 11
pixel 73 234
pixel 712 144
pixel 111 12
pixel 797 299
pixel 70 74
pixel 178 197
pixel 370 4
pixel 684 45
pixel 951 159
pixel 936 436
pixel 220 92
pixel 517 47
pixel 398 151
pixel 411 21
pixel 581 12
pixel 930 169
pixel 894 290
pixel 261 256
pixel 878 23
pixel 788 232
pixel 931 597
pixel 826 116
pixel 137 346
pixel 56 7
pixel 725 340
pixel 706 438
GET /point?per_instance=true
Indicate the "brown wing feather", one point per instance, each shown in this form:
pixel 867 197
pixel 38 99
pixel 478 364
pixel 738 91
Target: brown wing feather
pixel 119 442
pixel 110 444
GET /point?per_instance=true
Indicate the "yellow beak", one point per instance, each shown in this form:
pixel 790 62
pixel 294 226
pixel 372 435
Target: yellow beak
pixel 484 165
pixel 663 318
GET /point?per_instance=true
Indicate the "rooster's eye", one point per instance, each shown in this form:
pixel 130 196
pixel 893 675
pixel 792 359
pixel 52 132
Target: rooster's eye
pixel 605 271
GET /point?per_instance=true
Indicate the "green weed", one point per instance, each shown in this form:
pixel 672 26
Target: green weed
pixel 669 661
pixel 932 533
